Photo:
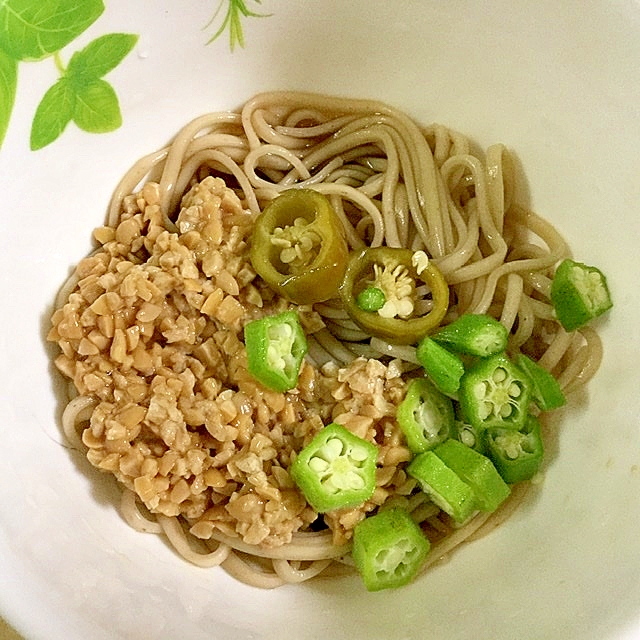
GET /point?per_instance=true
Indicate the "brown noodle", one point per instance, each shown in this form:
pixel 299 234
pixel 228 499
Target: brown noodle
pixel 392 182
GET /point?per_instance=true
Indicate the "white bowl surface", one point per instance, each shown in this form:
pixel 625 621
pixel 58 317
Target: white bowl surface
pixel 557 82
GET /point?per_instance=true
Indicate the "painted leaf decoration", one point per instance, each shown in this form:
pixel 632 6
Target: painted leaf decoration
pixel 233 21
pixel 53 114
pixel 34 29
pixel 8 82
pixel 100 56
pixel 96 108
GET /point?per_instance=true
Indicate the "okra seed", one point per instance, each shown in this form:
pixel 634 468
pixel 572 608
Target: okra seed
pixel 481 390
pixel 358 454
pixel 468 438
pixel 318 464
pixel 499 375
pixel 506 410
pixel 332 448
pixel 484 410
pixel 514 390
pixel 510 445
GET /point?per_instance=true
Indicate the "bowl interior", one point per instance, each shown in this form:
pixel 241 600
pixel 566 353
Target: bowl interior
pixel 559 85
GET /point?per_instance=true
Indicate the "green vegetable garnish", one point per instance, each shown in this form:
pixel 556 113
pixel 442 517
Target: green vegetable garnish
pixel 388 549
pixel 443 367
pixel 468 435
pixel 545 389
pixel 336 470
pixel 396 273
pixel 579 293
pixel 477 471
pixel 473 334
pixel 494 392
pixel 298 247
pixel 516 454
pixel 275 348
pixel 443 485
pixel 425 415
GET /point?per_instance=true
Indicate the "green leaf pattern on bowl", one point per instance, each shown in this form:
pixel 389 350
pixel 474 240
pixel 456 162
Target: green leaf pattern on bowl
pixel 33 30
pixel 232 21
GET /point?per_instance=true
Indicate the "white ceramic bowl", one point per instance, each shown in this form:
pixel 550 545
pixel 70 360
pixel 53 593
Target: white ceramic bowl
pixel 559 83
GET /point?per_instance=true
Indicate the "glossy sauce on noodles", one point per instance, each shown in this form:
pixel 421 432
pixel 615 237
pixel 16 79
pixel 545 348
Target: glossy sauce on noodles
pixel 150 324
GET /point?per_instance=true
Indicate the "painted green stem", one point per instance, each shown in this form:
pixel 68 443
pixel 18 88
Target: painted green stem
pixel 236 10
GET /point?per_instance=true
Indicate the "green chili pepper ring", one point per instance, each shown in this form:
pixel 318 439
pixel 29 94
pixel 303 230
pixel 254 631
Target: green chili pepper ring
pixel 396 330
pixel 302 224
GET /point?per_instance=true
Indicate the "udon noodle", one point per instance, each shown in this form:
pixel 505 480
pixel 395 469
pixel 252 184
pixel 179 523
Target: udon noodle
pixel 149 366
